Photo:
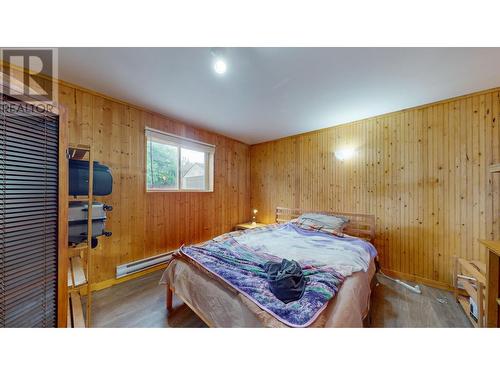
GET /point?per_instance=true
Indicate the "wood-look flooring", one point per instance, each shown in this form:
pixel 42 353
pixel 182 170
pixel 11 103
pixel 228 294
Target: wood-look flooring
pixel 395 306
pixel 141 303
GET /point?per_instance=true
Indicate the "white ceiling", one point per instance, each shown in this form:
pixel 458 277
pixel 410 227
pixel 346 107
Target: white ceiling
pixel 269 93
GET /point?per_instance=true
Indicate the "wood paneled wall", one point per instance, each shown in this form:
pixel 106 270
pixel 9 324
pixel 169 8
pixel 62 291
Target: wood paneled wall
pixel 146 224
pixel 422 172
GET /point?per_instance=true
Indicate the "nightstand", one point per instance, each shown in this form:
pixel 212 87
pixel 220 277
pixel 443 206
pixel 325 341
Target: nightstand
pixel 248 226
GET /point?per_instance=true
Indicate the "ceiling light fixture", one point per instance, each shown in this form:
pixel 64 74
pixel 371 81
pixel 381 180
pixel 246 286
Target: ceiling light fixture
pixel 219 65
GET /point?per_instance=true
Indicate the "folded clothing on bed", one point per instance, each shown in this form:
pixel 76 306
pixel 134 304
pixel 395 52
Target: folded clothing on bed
pixel 286 280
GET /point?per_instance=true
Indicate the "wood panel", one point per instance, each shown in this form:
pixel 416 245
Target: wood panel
pixel 422 172
pixel 146 224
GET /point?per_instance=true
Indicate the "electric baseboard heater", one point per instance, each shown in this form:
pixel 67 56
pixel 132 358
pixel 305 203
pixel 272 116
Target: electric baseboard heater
pixel 141 265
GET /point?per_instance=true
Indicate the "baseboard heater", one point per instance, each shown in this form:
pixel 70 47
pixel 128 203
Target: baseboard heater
pixel 141 265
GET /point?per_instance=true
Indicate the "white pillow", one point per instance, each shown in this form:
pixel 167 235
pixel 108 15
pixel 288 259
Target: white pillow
pixel 327 223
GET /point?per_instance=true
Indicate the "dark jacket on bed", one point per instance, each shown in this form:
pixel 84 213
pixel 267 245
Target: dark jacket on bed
pixel 286 280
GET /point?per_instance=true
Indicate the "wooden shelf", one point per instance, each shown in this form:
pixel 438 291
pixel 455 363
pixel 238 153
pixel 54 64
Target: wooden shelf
pixel 469 288
pixel 78 198
pixel 76 273
pixel 464 302
pixel 473 270
pixel 74 251
pixel 494 168
pixel 493 246
pixel 81 246
pixel 79 146
pixel 75 311
pixel 77 151
pixel 472 277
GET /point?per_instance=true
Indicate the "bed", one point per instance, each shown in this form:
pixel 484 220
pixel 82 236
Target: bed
pixel 221 301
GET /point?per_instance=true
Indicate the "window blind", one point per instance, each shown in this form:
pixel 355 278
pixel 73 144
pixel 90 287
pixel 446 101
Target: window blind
pixel 176 140
pixel 29 167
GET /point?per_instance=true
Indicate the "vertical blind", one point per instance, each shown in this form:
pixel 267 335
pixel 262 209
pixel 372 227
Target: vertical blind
pixel 29 145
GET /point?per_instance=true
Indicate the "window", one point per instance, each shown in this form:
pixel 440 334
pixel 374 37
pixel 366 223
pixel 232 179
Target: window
pixel 178 164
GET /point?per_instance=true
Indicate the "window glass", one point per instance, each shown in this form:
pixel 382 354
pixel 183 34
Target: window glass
pixel 162 166
pixel 193 169
pixel 175 163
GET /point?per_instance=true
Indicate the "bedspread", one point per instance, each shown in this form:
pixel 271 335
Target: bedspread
pixel 239 263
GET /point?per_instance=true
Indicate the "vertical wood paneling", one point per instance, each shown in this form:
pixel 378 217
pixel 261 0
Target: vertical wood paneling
pixel 422 172
pixel 146 224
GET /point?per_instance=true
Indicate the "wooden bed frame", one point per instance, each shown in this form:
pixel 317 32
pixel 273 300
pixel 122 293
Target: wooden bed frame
pixel 359 225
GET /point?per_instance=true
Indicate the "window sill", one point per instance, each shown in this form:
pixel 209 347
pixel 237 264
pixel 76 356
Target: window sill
pixel 177 191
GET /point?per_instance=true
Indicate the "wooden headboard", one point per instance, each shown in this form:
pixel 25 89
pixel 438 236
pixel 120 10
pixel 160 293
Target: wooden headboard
pixel 359 225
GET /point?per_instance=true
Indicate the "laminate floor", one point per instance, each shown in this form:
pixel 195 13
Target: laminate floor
pixel 396 306
pixel 141 303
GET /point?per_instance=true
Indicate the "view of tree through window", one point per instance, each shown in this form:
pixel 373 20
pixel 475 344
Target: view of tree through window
pixel 162 165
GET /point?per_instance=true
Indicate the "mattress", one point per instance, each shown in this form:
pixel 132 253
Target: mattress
pixel 220 306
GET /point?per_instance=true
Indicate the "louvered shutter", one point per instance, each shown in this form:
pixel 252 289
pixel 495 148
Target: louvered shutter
pixel 28 219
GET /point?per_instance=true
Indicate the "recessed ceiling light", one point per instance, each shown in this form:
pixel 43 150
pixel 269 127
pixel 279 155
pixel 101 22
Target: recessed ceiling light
pixel 220 66
pixel 219 60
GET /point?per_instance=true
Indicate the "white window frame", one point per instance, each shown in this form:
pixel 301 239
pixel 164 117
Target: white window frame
pixel 182 142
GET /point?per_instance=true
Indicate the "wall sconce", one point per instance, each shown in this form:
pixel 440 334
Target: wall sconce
pixel 345 153
pixel 254 217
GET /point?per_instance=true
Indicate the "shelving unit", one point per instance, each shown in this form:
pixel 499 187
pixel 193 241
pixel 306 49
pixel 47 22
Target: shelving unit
pixel 493 268
pixel 493 283
pixel 80 256
pixel 471 277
